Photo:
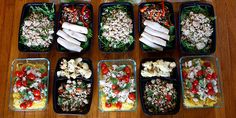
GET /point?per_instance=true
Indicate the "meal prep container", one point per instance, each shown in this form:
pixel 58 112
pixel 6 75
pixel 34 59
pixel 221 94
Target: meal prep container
pixel 13 69
pixel 62 5
pixel 131 13
pixel 213 36
pixel 141 28
pixel 24 14
pixel 216 65
pixel 143 81
pixel 117 62
pixel 174 74
pixel 57 82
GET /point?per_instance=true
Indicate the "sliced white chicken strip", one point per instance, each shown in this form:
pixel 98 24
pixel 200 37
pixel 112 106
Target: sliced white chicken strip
pixel 75 28
pixel 68 45
pixel 156 26
pixel 76 35
pixel 157 33
pixel 150 44
pixel 67 37
pixel 154 39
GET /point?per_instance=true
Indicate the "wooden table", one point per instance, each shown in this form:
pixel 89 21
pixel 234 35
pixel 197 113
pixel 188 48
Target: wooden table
pixel 10 12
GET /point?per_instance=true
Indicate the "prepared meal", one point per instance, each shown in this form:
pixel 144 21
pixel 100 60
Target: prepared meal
pixel 73 95
pixel 74 68
pixel 156 25
pixel 131 1
pixel 197 29
pixel 29 86
pixel 159 96
pixel 158 68
pixel 116 28
pixel 117 87
pixel 200 83
pixel 75 32
pixel 37 27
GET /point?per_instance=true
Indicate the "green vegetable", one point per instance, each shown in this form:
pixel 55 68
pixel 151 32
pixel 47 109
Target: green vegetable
pixel 45 10
pixel 113 80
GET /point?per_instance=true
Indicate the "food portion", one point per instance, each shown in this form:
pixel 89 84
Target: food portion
pixel 117 87
pixel 116 29
pixel 200 83
pixel 30 86
pixel 159 96
pixel 196 29
pixel 158 29
pixel 75 32
pixel 74 95
pixel 36 32
pixel 74 68
pixel 158 68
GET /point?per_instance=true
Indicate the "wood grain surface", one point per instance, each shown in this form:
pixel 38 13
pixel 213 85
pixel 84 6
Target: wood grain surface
pixel 10 12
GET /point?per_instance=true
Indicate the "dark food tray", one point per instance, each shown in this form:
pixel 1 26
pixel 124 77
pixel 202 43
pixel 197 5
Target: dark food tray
pixel 141 28
pixel 176 84
pixel 62 5
pixel 24 14
pixel 174 74
pixel 131 13
pixel 213 37
pixel 57 82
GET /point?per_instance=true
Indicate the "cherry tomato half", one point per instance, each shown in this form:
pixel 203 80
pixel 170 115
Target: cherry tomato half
pixel 29 103
pixel 113 87
pixel 195 82
pixel 118 105
pixel 131 96
pixel 37 98
pixel 44 75
pixel 214 76
pixel 24 83
pixel 194 90
pixel 18 83
pixel 127 70
pixel 184 74
pixel 199 73
pixel 36 92
pixel 209 77
pixel 23 105
pixel 126 78
pixel 108 105
pixel 105 71
pixel 31 76
pixel 103 65
pixel 211 92
pixel 20 74
pixel 168 97
pixel 116 91
pixel 209 86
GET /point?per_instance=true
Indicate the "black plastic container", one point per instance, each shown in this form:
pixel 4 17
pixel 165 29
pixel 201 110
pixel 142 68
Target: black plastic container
pixel 130 12
pixel 62 5
pixel 24 14
pixel 57 82
pixel 141 28
pixel 174 74
pixel 213 36
pixel 143 81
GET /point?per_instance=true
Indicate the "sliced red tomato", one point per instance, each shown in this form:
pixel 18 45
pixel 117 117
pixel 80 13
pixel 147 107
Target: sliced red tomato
pixel 116 91
pixel 29 103
pixel 211 92
pixel 44 75
pixel 20 74
pixel 207 64
pixel 127 70
pixel 184 74
pixel 209 86
pixel 60 91
pixel 132 96
pixel 199 73
pixel 126 78
pixel 41 86
pixel 105 71
pixel 113 87
pixel 168 97
pixel 209 77
pixel 36 92
pixel 24 83
pixel 37 98
pixel 195 82
pixel 143 9
pixel 108 105
pixel 103 65
pixel 23 69
pixel 194 90
pixel 18 83
pixel 31 76
pixel 214 76
pixel 118 105
pixel 23 105
pixel 120 78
